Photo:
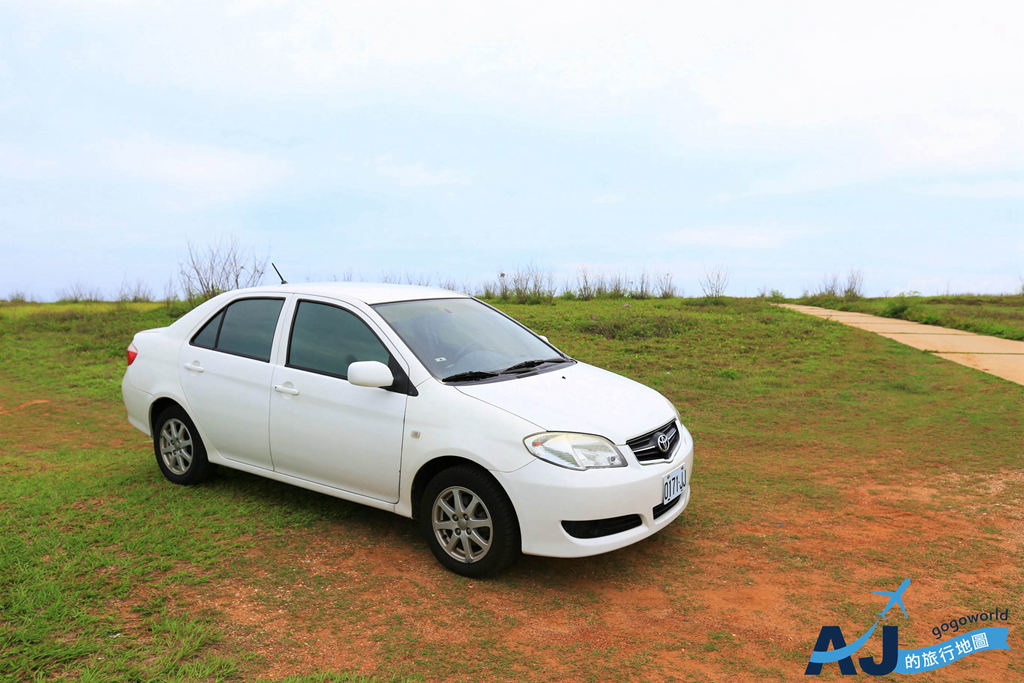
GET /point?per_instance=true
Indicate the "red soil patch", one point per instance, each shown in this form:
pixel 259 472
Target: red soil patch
pixel 22 406
pixel 753 592
pixel 44 424
pixel 745 602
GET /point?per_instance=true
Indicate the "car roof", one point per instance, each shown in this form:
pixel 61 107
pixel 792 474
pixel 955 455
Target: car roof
pixel 366 292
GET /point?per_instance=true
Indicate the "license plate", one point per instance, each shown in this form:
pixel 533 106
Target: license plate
pixel 672 484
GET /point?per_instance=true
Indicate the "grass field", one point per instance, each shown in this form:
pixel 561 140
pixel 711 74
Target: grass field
pixel 997 315
pixel 830 463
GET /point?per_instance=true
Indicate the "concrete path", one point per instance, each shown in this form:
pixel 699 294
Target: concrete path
pixel 1000 357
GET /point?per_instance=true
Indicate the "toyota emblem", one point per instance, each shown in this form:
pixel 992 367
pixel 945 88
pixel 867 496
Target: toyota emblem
pixel 663 443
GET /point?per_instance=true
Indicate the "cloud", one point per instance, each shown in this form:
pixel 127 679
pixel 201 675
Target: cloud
pixel 875 85
pixel 735 237
pixel 975 189
pixel 609 198
pixel 417 174
pixel 799 182
pixel 203 172
pixel 20 164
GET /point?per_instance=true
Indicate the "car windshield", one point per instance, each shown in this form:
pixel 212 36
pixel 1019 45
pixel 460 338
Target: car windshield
pixel 466 340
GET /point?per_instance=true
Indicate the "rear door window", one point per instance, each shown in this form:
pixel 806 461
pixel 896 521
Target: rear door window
pixel 244 328
pixel 207 337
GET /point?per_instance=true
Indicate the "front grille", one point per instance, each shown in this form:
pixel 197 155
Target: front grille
pixel 645 446
pixel 595 528
pixel 661 508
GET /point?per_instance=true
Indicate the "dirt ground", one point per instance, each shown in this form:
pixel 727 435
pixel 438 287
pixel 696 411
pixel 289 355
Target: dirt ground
pixel 745 617
pixel 701 601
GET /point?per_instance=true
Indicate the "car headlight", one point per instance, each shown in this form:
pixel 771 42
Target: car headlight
pixel 575 451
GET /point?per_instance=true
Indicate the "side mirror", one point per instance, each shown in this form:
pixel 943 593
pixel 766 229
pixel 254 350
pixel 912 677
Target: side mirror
pixel 543 338
pixel 370 373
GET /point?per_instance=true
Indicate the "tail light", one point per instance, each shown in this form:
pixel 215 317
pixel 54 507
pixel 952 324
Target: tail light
pixel 132 353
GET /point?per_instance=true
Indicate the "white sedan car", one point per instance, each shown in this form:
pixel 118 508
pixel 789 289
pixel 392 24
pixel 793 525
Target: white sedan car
pixel 421 401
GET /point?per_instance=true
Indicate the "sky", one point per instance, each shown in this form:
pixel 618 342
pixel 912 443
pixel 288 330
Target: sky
pixel 781 143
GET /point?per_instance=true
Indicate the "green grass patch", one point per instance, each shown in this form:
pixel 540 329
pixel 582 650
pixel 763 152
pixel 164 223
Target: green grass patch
pixel 812 440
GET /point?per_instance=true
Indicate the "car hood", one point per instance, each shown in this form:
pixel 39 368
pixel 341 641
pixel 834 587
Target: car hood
pixel 579 398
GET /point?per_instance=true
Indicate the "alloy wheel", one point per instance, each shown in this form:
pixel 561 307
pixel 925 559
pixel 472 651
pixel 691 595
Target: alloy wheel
pixel 462 524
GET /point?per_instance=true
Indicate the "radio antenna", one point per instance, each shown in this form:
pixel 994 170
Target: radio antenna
pixel 283 281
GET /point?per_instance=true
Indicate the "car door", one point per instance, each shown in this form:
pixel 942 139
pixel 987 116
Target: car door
pixel 324 429
pixel 225 373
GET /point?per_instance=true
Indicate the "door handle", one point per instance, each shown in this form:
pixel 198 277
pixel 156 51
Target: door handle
pixel 194 366
pixel 285 389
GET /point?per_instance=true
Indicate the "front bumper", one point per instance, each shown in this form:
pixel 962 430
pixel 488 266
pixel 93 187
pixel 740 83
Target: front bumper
pixel 545 495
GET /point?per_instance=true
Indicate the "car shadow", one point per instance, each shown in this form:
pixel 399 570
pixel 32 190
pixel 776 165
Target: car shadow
pixel 306 509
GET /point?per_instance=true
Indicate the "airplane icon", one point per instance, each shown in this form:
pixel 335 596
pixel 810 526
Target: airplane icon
pixel 895 598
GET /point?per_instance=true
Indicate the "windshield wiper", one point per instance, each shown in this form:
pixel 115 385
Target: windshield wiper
pixel 470 375
pixel 527 364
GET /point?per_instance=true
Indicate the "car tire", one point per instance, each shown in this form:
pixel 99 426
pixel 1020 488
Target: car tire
pixel 486 539
pixel 179 450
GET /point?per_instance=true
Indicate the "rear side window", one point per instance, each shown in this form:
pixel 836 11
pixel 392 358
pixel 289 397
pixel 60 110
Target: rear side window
pixel 207 337
pixel 326 339
pixel 245 328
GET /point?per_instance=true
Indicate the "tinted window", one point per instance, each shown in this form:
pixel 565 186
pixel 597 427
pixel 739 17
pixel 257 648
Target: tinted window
pixel 207 337
pixel 327 339
pixel 248 328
